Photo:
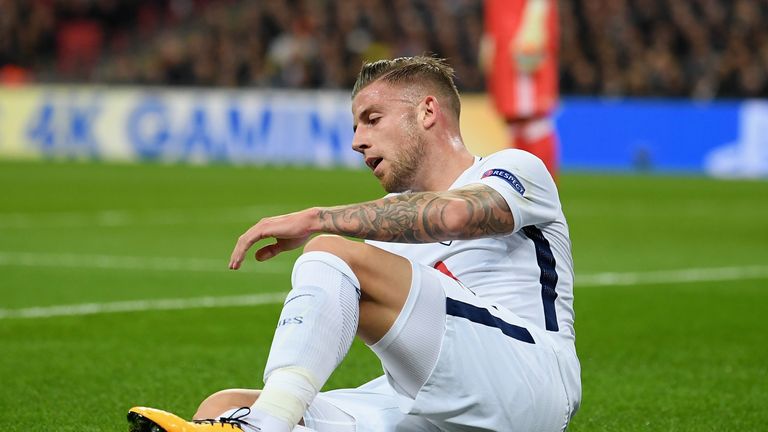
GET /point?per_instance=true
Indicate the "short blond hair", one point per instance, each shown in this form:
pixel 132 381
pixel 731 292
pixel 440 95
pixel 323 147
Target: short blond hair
pixel 418 70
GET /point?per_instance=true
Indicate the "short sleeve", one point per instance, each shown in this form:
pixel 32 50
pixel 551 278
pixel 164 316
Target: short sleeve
pixel 525 184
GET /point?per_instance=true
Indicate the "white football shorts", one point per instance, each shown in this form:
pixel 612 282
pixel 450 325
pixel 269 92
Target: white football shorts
pixel 494 372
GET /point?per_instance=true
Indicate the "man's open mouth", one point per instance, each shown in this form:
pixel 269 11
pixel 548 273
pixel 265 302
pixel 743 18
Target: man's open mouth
pixel 373 162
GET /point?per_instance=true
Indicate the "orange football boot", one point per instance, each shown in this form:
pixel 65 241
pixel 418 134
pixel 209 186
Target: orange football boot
pixel 142 419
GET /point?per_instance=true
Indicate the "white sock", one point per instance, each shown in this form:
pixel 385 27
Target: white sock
pixel 314 333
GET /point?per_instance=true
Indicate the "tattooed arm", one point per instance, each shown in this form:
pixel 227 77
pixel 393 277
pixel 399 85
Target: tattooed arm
pixel 473 211
pixel 423 217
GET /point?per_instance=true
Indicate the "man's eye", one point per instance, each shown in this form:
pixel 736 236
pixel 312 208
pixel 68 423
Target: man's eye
pixel 373 120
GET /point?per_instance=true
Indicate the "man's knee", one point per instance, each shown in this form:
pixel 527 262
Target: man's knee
pixel 373 267
pixel 384 280
pixel 333 244
pixel 330 250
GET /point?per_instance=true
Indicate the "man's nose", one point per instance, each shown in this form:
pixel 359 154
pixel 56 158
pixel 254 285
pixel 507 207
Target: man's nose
pixel 359 143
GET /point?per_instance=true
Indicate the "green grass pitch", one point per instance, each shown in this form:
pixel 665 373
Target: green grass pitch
pixel 659 353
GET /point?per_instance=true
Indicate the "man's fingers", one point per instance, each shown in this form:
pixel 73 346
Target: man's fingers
pixel 234 262
pixel 241 247
pixel 236 259
pixel 280 228
pixel 268 251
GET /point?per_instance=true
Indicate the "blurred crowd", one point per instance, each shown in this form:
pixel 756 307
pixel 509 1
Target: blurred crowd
pixel 680 48
pixel 673 48
pixel 292 43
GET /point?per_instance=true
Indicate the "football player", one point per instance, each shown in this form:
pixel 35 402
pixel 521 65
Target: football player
pixel 463 287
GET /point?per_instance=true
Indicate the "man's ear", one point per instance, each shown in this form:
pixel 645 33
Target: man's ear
pixel 429 109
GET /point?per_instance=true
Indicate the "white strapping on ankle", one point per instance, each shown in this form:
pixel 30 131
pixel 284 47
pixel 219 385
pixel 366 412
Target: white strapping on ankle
pixel 287 394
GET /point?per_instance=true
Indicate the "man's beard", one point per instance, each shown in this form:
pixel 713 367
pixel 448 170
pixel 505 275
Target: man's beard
pixel 404 167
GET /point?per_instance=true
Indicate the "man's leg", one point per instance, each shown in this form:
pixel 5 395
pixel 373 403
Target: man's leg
pixel 401 318
pixel 385 281
pixel 327 417
pixel 340 287
pixel 482 360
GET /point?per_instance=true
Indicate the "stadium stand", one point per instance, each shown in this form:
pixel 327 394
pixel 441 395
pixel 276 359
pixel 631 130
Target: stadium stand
pixel 699 48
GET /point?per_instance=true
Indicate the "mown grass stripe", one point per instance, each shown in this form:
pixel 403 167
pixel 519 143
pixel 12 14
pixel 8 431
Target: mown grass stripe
pixel 119 218
pixel 215 265
pixel 691 275
pixel 98 261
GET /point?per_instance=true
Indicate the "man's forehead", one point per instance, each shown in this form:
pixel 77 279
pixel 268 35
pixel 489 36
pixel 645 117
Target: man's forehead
pixel 372 93
pixel 379 93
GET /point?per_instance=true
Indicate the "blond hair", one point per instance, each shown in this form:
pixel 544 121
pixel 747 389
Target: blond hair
pixel 419 70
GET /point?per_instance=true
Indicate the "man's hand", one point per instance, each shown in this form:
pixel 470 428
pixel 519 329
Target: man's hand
pixel 291 231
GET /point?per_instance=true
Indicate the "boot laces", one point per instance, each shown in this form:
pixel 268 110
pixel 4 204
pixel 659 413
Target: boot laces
pixel 234 420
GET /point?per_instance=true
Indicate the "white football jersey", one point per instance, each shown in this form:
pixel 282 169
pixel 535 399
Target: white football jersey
pixel 529 271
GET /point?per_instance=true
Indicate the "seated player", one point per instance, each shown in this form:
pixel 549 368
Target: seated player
pixel 463 288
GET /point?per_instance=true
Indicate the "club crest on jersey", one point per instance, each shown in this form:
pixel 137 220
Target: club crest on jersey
pixel 506 176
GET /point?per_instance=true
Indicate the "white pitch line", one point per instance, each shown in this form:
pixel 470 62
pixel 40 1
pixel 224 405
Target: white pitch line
pixel 711 274
pixel 598 279
pixel 143 305
pixel 111 262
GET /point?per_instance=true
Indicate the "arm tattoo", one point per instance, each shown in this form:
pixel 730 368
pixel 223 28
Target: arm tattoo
pixel 424 217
